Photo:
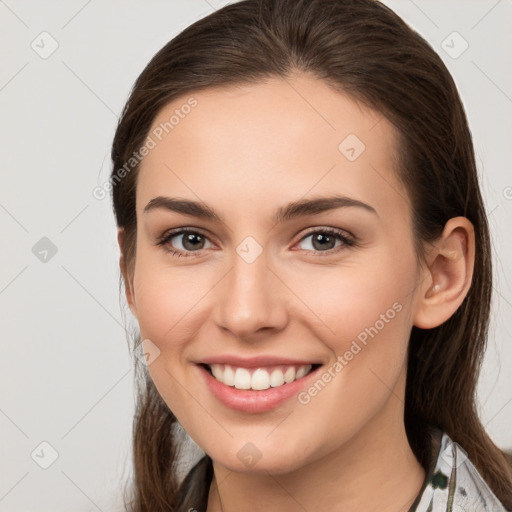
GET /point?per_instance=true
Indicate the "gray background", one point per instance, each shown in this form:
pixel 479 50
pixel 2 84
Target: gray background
pixel 66 372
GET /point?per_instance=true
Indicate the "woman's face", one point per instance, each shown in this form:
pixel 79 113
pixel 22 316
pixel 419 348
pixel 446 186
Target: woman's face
pixel 263 277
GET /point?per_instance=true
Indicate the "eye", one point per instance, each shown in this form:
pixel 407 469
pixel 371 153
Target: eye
pixel 187 241
pixel 326 240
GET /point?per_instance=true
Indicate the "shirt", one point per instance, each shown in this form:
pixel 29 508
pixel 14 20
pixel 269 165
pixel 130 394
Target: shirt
pixel 451 484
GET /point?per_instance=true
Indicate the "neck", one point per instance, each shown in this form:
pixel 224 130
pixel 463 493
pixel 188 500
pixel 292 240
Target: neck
pixel 374 470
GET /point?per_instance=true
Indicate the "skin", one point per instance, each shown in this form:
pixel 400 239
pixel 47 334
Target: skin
pixel 246 151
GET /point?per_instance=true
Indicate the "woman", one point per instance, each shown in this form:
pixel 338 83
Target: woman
pixel 305 248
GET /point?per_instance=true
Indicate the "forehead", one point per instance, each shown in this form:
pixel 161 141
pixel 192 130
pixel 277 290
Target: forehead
pixel 277 140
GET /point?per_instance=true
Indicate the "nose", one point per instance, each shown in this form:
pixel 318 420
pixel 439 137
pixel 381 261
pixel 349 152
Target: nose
pixel 250 301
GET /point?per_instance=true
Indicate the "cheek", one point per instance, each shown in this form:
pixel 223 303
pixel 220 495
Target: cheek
pixel 353 299
pixel 168 301
pixel 366 318
pixel 167 298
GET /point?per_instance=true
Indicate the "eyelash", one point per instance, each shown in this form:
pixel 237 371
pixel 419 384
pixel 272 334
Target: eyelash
pixel 337 233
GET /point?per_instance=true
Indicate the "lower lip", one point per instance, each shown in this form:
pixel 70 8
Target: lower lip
pixel 252 401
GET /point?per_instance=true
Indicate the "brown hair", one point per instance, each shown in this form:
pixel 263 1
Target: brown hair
pixel 361 48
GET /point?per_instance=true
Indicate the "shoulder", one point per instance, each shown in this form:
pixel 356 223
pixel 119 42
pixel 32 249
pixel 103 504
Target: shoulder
pixel 454 484
pixel 194 489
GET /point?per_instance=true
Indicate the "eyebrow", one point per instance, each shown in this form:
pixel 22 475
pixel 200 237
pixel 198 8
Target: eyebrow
pixel 290 211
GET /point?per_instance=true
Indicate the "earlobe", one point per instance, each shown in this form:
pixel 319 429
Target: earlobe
pixel 128 285
pixel 448 276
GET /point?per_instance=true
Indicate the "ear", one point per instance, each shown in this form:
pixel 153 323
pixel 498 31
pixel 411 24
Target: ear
pixel 447 278
pixel 128 284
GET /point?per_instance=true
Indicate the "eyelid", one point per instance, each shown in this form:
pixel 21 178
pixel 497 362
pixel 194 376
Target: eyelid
pixel 182 229
pixel 171 233
pixel 347 239
pixel 328 229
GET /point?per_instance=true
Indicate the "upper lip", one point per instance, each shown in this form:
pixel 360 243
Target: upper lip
pixel 254 362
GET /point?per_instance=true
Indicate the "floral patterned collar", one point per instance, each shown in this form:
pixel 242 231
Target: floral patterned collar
pixel 453 484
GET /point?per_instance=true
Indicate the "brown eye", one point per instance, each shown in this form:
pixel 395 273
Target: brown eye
pixel 191 241
pixel 181 241
pixel 325 240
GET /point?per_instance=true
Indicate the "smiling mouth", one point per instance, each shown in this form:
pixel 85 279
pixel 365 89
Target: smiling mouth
pixel 258 379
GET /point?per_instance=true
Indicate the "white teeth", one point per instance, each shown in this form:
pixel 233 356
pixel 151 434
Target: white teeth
pixel 242 379
pixel 301 372
pixel 289 375
pixel 276 378
pixel 217 372
pixel 229 376
pixel 260 378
